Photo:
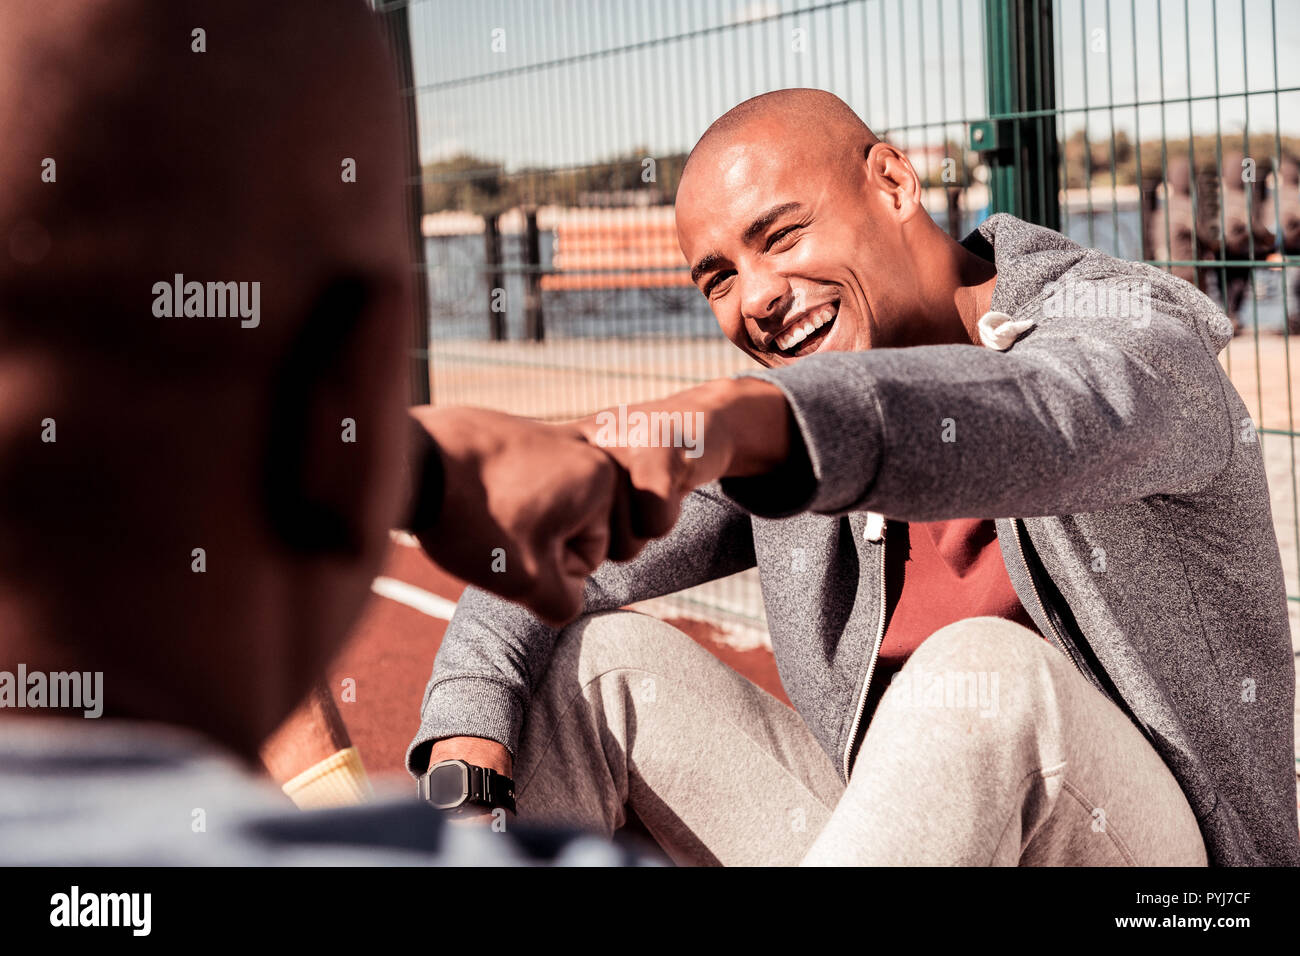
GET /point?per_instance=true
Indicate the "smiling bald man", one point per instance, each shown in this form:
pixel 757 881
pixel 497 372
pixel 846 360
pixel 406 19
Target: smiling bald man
pixel 1014 537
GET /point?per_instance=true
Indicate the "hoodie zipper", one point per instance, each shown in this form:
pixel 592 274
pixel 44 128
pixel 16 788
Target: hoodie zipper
pixel 880 633
pixel 1033 586
pixel 875 651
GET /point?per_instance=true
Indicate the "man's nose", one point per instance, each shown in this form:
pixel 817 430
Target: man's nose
pixel 762 296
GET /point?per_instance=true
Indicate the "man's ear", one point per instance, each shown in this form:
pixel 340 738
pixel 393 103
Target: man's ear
pixel 316 475
pixel 892 174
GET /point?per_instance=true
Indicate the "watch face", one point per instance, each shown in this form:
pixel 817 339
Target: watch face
pixel 448 785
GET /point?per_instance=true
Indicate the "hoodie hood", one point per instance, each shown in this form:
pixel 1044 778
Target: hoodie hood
pixel 1029 257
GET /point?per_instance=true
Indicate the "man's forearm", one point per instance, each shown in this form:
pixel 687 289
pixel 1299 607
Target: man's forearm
pixel 311 756
pixel 307 736
pixel 1074 419
pixel 1068 422
pixel 744 433
pixel 754 417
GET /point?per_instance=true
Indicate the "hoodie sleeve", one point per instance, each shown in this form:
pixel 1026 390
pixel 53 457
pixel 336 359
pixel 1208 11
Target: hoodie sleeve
pixel 495 651
pixel 1078 415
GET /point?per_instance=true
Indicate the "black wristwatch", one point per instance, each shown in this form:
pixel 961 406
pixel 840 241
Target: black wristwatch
pixel 451 784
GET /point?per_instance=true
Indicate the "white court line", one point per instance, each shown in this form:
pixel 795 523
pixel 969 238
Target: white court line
pixel 413 597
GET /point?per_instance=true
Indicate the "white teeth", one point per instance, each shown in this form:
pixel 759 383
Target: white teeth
pixel 811 325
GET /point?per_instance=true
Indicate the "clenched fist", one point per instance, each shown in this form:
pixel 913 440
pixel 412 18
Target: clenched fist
pixel 528 510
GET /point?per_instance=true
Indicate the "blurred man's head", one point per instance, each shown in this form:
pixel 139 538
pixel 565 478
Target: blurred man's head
pixel 806 233
pixel 209 140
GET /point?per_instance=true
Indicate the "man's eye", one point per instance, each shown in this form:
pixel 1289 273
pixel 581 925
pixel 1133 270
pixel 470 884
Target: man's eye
pixel 718 282
pixel 781 234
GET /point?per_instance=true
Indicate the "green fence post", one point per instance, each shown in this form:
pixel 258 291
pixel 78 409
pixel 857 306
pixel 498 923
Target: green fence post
pixel 399 39
pixel 1019 137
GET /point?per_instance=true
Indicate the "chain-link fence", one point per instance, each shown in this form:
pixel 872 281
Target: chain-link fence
pixel 1177 126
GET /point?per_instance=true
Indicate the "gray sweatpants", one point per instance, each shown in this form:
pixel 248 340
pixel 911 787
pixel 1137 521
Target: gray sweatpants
pixel 987 748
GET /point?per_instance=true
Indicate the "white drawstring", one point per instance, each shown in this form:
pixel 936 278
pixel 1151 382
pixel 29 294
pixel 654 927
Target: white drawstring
pixel 998 330
pixel 875 529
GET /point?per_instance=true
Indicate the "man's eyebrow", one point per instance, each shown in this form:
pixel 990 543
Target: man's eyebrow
pixel 711 259
pixel 766 219
pixel 706 264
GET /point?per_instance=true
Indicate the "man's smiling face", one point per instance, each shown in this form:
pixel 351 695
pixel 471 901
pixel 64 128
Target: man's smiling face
pixel 789 238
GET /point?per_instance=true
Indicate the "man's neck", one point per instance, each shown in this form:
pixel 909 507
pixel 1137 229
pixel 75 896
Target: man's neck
pixel 973 294
pixel 960 292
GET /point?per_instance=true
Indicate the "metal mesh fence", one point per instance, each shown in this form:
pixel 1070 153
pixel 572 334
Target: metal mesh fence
pixel 1180 134
pixel 552 134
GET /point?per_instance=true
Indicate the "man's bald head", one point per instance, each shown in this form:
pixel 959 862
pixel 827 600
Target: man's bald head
pixel 191 480
pixel 131 156
pixel 794 120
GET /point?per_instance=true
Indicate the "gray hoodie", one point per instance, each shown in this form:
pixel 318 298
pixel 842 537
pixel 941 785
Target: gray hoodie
pixel 1132 511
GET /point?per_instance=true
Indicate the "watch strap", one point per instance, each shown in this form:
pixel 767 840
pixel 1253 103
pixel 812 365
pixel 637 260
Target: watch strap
pixel 485 787
pixel 491 788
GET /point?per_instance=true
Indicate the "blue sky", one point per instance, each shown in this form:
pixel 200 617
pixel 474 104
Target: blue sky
pixel 898 63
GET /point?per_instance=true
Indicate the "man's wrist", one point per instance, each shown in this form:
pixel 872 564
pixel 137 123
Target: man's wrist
pixel 753 418
pixel 770 473
pixel 483 769
pixel 478 751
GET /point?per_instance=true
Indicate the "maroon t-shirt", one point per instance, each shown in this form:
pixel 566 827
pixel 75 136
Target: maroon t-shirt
pixel 938 572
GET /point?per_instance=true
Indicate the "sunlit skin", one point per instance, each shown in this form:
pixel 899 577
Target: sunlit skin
pixel 849 231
